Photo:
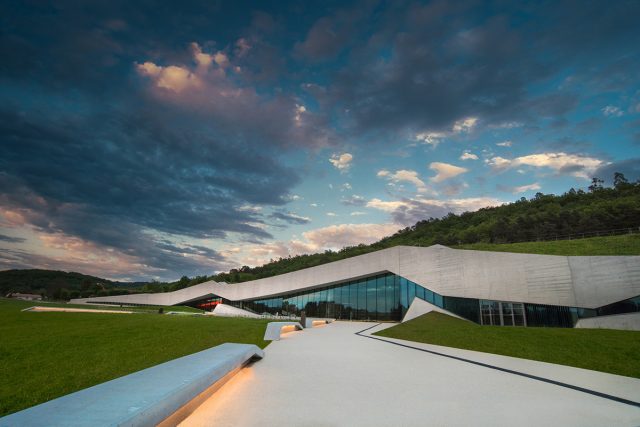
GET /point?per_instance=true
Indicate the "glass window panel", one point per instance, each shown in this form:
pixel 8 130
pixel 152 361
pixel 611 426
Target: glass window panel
pixel 322 303
pixel 362 300
pixel 330 303
pixel 404 295
pixel 428 296
pixel 313 304
pixel 381 297
pixel 437 300
pixel 391 306
pixel 353 300
pixel 395 284
pixel 371 298
pixel 412 291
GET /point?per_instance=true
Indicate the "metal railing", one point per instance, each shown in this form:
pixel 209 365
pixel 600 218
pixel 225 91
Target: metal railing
pixel 583 235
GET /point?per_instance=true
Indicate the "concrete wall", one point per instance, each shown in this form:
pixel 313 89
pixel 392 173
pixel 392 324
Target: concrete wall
pixel 628 321
pixel 588 282
pixel 419 307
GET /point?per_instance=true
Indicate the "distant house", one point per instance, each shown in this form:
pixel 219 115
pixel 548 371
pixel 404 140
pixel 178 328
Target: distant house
pixel 26 297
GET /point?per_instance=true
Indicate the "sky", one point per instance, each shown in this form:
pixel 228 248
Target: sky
pixel 151 140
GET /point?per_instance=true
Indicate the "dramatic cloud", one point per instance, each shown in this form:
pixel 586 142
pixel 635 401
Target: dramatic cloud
pixel 574 164
pixel 341 162
pixel 445 171
pixel 353 200
pixel 411 210
pixel 404 175
pixel 431 138
pixel 290 217
pixel 519 189
pixel 464 125
pixel 334 237
pixel 459 127
pixel 504 144
pixel 10 239
pixel 468 156
pixel 630 168
pixel 612 111
pixel 152 142
pixel 173 78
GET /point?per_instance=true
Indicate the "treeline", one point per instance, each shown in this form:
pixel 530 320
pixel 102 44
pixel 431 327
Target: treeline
pixel 59 285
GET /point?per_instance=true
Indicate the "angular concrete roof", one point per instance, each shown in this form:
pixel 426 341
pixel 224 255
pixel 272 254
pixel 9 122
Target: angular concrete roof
pixel 580 281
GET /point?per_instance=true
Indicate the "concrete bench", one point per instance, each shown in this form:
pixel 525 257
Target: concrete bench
pixel 162 394
pixel 274 329
pixel 311 322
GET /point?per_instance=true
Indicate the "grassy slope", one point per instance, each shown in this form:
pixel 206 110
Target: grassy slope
pixel 609 245
pixel 46 355
pixel 137 309
pixel 616 352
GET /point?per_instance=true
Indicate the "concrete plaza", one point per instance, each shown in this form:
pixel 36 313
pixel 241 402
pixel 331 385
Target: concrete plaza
pixel 330 376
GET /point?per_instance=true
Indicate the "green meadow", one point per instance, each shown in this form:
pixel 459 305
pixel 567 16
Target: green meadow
pixel 46 355
pixel 606 350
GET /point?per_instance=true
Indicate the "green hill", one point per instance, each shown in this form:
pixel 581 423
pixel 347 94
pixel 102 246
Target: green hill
pixel 56 284
pixel 626 244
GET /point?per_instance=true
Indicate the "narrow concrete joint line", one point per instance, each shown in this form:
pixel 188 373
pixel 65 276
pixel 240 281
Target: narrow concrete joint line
pixel 509 371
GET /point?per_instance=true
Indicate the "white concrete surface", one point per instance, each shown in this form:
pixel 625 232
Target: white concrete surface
pixel 226 310
pixel 419 307
pixel 331 377
pixel 588 282
pixel 274 330
pixel 75 310
pixel 627 321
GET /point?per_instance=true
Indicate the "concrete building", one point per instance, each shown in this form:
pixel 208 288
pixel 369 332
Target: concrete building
pixel 491 288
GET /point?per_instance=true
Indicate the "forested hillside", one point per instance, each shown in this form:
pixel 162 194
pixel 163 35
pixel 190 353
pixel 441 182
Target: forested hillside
pixel 58 284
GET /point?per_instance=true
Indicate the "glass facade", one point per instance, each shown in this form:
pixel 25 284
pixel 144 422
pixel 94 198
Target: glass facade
pixel 630 305
pixel 500 313
pixel 387 297
pixel 384 297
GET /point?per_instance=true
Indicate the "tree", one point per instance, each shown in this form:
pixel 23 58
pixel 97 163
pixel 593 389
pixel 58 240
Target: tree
pixel 596 184
pixel 619 180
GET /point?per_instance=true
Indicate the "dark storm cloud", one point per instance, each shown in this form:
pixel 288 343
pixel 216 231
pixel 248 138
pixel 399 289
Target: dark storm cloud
pixel 91 149
pixel 86 152
pixel 10 239
pixel 630 168
pixel 442 61
pixel 290 218
pixel 142 171
pixel 330 35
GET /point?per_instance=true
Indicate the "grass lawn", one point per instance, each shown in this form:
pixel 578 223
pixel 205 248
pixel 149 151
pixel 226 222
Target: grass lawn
pixel 627 244
pixel 47 355
pixel 616 352
pixel 137 309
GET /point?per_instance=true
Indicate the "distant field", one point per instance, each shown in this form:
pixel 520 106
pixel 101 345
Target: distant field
pixel 47 355
pixel 612 351
pixel 628 244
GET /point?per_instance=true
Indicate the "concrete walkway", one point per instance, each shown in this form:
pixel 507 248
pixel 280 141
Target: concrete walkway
pixel 329 376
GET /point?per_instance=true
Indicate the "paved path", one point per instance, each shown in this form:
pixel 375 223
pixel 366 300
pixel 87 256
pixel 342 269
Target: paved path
pixel 329 376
